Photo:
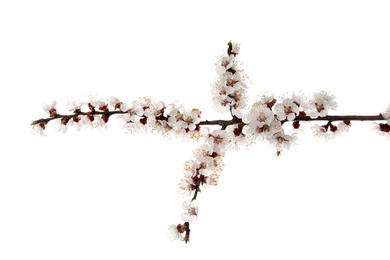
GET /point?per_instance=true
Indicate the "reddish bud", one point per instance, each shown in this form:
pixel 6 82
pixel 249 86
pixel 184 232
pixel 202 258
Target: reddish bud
pixel 213 155
pixel 76 119
pixel 53 112
pixel 233 71
pixel 181 228
pixel 118 105
pixel 64 120
pixel 143 120
pixel 238 130
pixel 90 117
pixel 104 107
pixel 77 111
pixel 92 108
pixel 271 103
pixel 296 124
pixel 333 128
pixel 42 125
pixel 105 118
pixel 347 122
pixel 161 117
pixel 325 127
pixel 384 127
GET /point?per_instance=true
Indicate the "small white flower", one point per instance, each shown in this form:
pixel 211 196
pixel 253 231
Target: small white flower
pixel 382 129
pixel 190 168
pixel 257 121
pixel 59 127
pixel 320 132
pixel 93 100
pixel 114 101
pixel 290 107
pixel 38 129
pixel 75 124
pixel 74 105
pixel 343 126
pixel 225 63
pixel 321 102
pixel 265 99
pixel 218 139
pixel 212 179
pixel 282 141
pixel 190 211
pixel 173 232
pixel 259 116
pixel 287 109
pixel 50 108
pixel 185 187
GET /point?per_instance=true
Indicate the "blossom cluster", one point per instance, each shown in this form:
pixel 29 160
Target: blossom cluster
pixel 203 171
pixel 275 120
pixel 159 118
pixel 229 90
pixel 142 115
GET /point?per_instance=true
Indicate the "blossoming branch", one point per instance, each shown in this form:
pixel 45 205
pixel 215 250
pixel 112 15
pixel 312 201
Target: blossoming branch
pixel 274 120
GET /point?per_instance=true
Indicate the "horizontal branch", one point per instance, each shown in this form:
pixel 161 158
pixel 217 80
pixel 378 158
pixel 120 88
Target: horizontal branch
pixel 329 118
pixel 224 123
pixel 341 118
pixel 58 116
pixel 233 121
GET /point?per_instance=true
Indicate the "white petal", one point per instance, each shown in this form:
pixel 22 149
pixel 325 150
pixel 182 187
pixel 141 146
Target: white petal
pixel 113 101
pixel 313 114
pixel 291 117
pixel 124 107
pixel 323 113
pixel 220 70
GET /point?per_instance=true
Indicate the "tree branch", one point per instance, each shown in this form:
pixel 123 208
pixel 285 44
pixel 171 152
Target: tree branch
pixel 223 123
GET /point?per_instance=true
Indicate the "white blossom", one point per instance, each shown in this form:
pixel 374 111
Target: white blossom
pixel 320 104
pixel 60 127
pixel 218 140
pixel 185 187
pixel 74 105
pixel 93 99
pixel 38 130
pixel 114 101
pixel 174 233
pixel 382 129
pixel 282 141
pixel 225 63
pixel 50 108
pixel 190 212
pixel 289 108
pixel 229 90
pixel 257 121
pixel 320 132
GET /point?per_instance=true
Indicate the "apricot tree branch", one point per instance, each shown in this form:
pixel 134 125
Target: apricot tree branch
pixel 223 123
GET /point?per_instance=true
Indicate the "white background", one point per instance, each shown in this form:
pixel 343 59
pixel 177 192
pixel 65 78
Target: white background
pixel 108 195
